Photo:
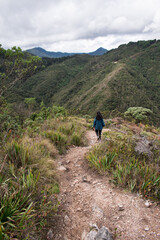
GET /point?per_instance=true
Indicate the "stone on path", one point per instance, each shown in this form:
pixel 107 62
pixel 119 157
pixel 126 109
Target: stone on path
pixel 103 234
pixel 62 168
pixel 50 234
pixel 120 207
pixel 95 234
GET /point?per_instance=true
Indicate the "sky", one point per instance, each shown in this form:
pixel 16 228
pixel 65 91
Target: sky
pixel 77 25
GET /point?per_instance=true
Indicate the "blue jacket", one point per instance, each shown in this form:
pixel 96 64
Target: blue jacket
pixel 98 124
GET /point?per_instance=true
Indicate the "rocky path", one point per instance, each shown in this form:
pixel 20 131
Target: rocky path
pixel 88 198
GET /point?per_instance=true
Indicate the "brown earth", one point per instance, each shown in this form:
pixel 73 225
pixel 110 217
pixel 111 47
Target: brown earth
pixel 89 198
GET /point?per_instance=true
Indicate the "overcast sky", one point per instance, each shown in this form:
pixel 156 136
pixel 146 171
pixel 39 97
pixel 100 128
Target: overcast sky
pixel 77 25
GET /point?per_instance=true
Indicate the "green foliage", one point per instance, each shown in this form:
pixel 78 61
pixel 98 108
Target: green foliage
pixel 16 205
pixel 58 139
pixel 58 111
pixel 107 160
pixel 14 211
pixel 47 112
pixel 9 121
pixel 18 154
pixel 118 157
pixel 129 76
pixel 77 139
pixel 16 67
pixel 65 132
pixel 138 113
pixel 31 102
pixel 28 161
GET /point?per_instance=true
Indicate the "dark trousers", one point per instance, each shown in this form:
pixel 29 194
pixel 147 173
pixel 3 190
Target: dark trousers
pixel 98 133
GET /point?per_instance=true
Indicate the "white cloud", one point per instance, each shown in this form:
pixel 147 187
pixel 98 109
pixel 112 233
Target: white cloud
pixel 77 26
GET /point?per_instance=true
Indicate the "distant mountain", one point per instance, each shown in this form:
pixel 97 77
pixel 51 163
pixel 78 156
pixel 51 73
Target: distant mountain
pixel 100 51
pixel 43 53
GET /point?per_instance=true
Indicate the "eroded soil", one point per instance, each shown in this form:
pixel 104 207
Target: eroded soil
pixel 88 198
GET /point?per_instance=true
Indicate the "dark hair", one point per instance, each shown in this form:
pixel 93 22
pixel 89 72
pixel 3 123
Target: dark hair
pixel 99 116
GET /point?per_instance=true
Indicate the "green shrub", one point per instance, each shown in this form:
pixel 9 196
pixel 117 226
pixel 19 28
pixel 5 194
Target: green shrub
pixel 58 111
pixel 139 114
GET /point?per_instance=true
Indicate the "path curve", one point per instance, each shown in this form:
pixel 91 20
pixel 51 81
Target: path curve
pixel 88 198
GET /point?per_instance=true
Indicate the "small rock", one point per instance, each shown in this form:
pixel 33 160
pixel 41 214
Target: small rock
pixel 50 234
pixel 98 212
pixel 84 179
pixel 142 236
pixel 95 182
pixel 65 238
pixel 103 234
pixel 66 220
pixel 75 182
pixel 120 207
pixel 147 204
pixel 93 226
pixel 89 236
pixel 62 168
pixel 146 229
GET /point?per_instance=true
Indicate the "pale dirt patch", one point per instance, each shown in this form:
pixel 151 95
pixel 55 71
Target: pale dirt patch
pixel 88 198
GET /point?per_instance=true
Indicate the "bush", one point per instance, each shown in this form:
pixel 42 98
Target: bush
pixel 139 114
pixel 58 111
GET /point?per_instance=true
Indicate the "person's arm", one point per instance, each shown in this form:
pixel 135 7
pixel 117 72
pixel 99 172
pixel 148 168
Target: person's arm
pixel 94 123
pixel 103 124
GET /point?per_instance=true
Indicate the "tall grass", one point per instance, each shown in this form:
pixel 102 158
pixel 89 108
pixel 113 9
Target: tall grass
pixel 18 153
pixel 16 201
pixel 65 133
pixel 28 182
pixel 22 181
pixel 127 169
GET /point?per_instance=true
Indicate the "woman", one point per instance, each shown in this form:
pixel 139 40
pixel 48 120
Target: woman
pixel 98 125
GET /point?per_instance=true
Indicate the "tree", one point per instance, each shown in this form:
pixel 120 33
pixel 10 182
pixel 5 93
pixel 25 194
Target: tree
pixel 16 66
pixel 31 102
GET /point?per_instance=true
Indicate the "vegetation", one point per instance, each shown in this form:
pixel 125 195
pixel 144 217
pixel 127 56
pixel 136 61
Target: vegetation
pixel 124 77
pixel 139 114
pixel 118 157
pixel 28 181
pixel 15 67
pixel 34 131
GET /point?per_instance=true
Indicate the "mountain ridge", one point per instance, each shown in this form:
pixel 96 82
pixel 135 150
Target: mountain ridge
pixel 40 52
pixel 128 76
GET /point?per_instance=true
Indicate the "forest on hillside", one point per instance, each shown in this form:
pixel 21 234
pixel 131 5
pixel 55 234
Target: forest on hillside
pixel 128 76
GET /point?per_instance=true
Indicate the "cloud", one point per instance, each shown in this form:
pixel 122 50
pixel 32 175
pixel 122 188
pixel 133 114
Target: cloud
pixel 154 26
pixel 77 26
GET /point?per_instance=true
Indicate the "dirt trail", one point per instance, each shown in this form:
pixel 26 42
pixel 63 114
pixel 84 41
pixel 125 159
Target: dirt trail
pixel 88 198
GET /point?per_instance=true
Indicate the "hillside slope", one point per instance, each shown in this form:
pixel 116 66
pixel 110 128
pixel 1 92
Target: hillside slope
pixel 123 77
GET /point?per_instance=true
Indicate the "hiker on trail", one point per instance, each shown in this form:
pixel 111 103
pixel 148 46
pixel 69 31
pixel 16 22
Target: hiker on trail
pixel 98 125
